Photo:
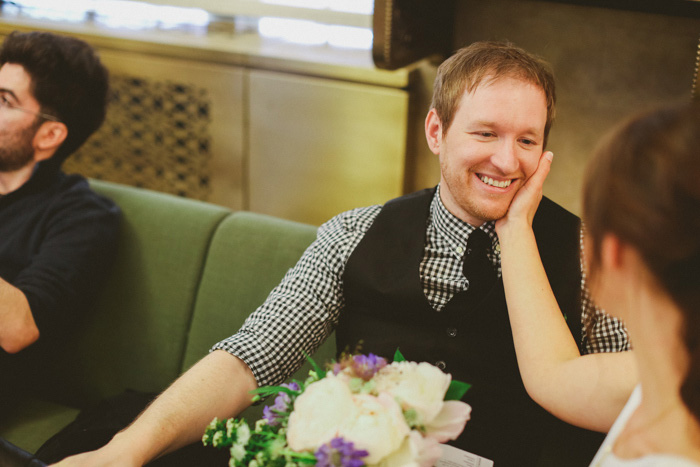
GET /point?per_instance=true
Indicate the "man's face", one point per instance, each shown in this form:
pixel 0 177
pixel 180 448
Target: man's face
pixel 17 128
pixel 491 148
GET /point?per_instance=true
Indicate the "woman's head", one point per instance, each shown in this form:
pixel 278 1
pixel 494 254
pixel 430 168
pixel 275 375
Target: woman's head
pixel 643 187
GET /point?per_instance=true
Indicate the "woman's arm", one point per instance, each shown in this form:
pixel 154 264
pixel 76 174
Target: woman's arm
pixel 587 391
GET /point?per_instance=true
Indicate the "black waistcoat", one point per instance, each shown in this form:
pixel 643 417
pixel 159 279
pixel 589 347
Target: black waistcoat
pixel 386 309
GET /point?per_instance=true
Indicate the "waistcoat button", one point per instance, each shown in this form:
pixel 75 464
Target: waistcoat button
pixel 440 364
pixel 452 332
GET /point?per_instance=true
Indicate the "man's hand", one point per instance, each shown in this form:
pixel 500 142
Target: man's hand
pixel 98 458
pixel 524 205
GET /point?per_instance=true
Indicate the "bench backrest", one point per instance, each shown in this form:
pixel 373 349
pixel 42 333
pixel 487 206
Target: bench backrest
pixel 187 275
pixel 249 255
pixel 135 335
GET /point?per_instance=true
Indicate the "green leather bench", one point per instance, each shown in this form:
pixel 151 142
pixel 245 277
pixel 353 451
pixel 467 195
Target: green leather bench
pixel 187 275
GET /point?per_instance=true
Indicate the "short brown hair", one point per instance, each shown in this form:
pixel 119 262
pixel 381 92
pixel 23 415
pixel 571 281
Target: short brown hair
pixel 470 65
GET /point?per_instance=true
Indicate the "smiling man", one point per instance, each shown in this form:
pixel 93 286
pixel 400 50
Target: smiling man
pixel 490 148
pixel 57 237
pixel 421 272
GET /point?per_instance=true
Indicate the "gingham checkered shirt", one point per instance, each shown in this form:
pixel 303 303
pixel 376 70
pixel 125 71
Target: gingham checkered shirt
pixel 304 308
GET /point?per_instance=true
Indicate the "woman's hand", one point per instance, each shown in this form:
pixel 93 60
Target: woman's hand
pixel 524 205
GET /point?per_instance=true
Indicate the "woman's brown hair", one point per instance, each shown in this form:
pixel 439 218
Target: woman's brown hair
pixel 643 186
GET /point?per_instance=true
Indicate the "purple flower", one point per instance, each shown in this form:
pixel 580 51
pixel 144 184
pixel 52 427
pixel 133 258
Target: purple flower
pixel 365 366
pixel 339 453
pixel 361 366
pixel 293 386
pixel 270 416
pixel 282 404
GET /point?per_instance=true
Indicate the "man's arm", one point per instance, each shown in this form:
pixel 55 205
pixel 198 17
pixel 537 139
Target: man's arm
pixel 17 327
pixel 219 385
pixel 57 248
pixel 298 310
pixel 302 311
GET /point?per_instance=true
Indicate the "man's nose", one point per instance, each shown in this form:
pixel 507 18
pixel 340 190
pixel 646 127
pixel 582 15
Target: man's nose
pixel 505 158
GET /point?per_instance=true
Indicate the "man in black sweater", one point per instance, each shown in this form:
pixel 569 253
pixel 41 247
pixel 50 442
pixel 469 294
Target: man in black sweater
pixel 57 237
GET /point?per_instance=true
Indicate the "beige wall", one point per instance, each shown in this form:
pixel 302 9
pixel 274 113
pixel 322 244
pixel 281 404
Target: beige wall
pixel 608 63
pixel 299 132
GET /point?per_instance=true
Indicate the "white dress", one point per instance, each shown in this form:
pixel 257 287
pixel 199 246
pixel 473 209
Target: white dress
pixel 606 458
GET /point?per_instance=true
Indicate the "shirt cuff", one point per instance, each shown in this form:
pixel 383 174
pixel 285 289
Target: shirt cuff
pixel 245 347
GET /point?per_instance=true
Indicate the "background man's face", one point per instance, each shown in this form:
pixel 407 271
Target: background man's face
pixel 17 128
pixel 491 148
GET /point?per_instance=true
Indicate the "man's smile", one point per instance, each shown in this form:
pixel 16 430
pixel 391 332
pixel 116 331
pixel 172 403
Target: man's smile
pixel 496 183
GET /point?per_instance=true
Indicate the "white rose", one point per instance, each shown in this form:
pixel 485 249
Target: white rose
pixel 420 386
pixel 378 426
pixel 318 412
pixel 450 422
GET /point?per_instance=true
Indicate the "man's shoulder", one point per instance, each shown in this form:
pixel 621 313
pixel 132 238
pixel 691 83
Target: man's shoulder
pixel 64 203
pixel 357 220
pixel 52 194
pixel 557 230
pixel 73 190
pixel 551 208
pixel 551 219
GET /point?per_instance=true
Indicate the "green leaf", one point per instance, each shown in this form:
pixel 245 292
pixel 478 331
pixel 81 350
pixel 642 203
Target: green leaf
pixel 398 356
pixel 267 391
pixel 319 371
pixel 305 457
pixel 456 390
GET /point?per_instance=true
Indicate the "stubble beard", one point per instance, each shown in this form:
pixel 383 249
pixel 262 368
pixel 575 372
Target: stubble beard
pixel 471 206
pixel 480 212
pixel 19 151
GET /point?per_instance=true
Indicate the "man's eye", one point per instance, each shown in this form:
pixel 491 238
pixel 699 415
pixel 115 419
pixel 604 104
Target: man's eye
pixel 485 134
pixel 528 142
pixel 4 101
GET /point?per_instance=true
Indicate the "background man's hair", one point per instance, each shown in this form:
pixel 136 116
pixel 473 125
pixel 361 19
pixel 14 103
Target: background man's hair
pixel 68 81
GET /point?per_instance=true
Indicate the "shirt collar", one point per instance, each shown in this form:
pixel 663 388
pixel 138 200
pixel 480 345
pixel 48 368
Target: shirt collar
pixel 455 231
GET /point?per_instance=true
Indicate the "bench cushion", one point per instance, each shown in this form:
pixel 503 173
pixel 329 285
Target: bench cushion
pixel 28 422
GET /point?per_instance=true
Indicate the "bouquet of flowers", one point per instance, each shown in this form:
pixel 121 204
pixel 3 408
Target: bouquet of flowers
pixel 361 412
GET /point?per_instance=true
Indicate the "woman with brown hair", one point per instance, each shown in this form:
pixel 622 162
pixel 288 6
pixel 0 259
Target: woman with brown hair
pixel 642 249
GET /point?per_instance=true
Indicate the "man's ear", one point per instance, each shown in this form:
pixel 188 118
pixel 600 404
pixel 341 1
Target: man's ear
pixel 48 138
pixel 433 131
